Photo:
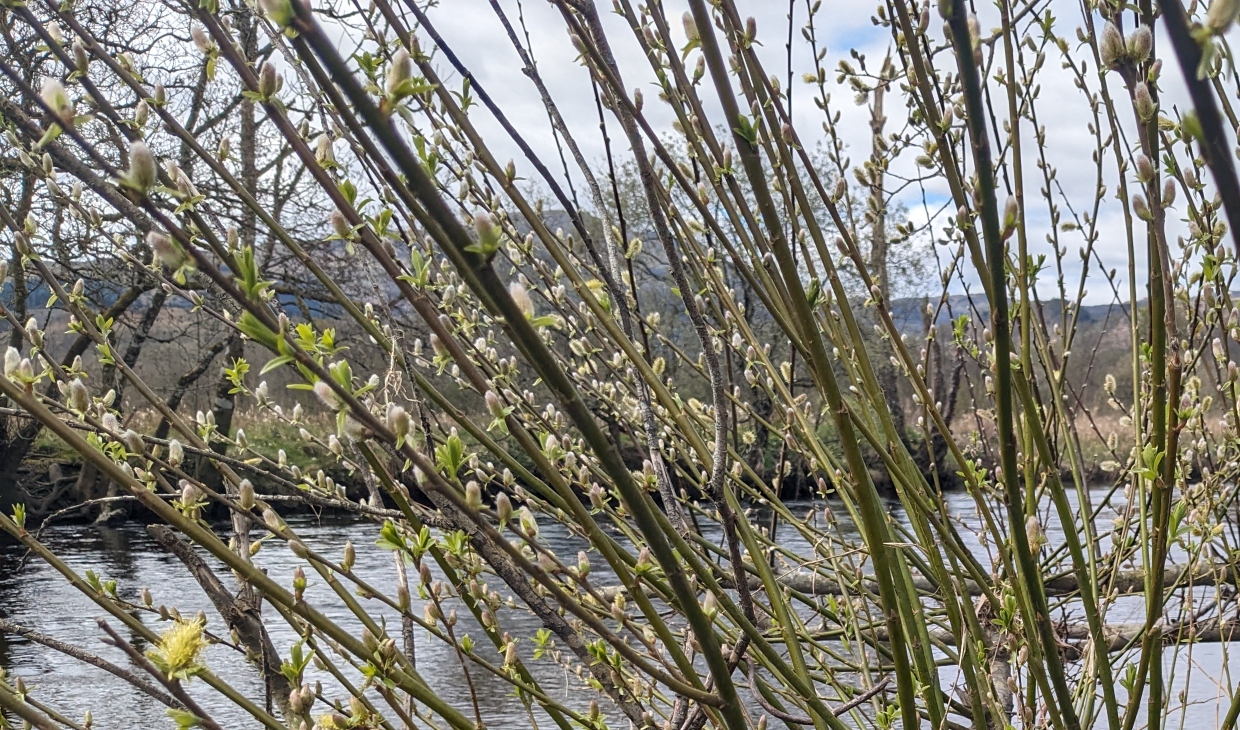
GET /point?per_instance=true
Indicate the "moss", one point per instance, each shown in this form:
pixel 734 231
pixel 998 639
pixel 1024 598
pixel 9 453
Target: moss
pixel 51 447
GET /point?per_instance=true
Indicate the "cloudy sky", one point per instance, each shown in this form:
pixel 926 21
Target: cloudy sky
pixel 474 32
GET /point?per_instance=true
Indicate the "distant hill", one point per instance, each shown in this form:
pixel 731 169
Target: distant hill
pixel 907 311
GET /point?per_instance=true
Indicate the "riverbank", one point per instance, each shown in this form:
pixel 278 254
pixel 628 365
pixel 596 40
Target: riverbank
pixel 51 480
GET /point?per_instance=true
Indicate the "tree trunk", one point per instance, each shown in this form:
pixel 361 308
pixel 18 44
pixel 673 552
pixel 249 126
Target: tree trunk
pixel 225 403
pixel 876 215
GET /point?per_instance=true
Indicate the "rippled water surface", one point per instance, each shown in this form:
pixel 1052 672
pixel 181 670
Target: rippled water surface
pixel 34 595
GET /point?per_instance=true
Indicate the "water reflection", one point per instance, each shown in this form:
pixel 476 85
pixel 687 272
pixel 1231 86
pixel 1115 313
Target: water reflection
pixel 33 594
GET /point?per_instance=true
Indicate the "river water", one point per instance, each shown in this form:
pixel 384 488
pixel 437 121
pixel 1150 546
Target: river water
pixel 33 595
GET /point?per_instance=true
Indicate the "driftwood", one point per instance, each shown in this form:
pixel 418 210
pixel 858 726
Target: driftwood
pixel 1120 636
pixel 240 613
pixel 1121 582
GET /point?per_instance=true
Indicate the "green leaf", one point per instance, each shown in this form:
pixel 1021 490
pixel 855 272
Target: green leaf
pixel 184 719
pixel 348 190
pixel 390 537
pixel 257 331
pixel 414 87
pixel 1177 518
pixel 276 362
pixel 746 129
pixel 451 455
pixel 49 136
pixel 546 320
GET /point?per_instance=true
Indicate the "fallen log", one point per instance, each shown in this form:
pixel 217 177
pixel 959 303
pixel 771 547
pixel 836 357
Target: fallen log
pixel 1118 583
pixel 1122 582
pixel 1121 636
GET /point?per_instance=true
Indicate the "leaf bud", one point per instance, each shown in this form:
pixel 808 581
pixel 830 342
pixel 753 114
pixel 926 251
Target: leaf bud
pixel 204 42
pixel 1140 43
pixel 691 29
pixel 57 99
pixel 399 72
pixel 349 557
pixel 79 397
pixel 272 520
pixel 521 298
pixel 167 251
pixel 1145 168
pixel 323 152
pixel 494 404
pixel 245 495
pixel 81 62
pixel 1111 48
pixel 190 493
pixel 12 358
pixel 1222 14
pixel 142 170
pixel 133 441
pixel 340 224
pixel 1143 102
pixel 1168 196
pixel 503 507
pixel 268 80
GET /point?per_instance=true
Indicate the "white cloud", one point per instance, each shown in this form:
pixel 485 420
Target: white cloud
pixel 472 30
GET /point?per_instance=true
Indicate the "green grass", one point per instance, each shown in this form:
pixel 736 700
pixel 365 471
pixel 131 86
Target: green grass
pixel 267 435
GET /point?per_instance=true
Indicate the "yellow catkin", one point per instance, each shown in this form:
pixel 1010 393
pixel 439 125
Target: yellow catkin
pixel 180 646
